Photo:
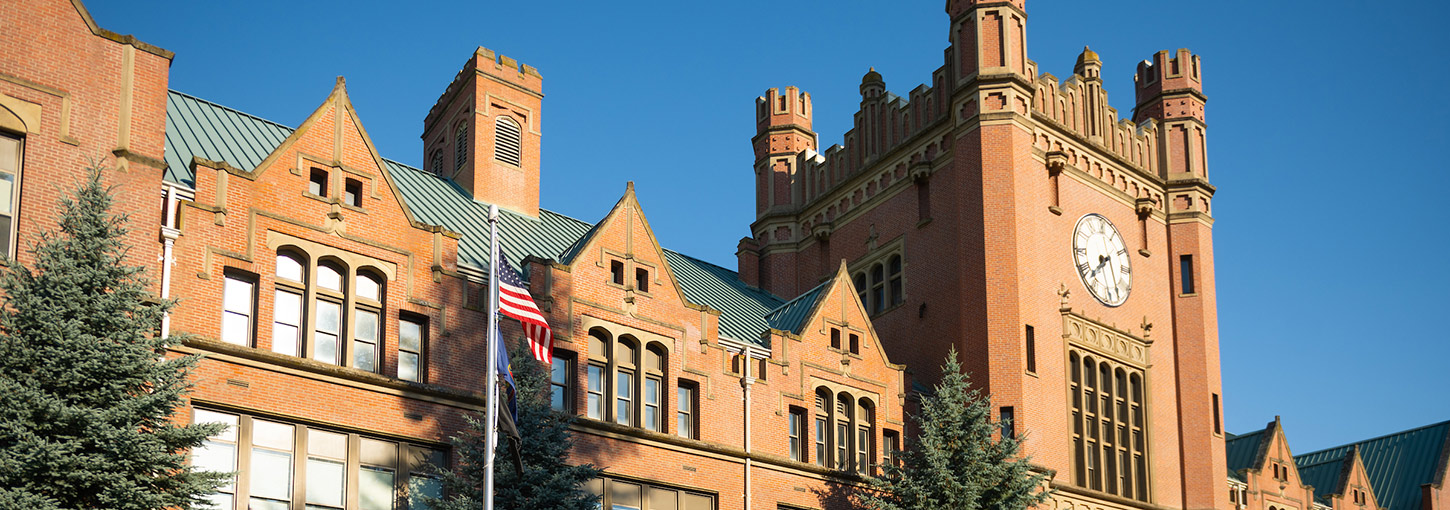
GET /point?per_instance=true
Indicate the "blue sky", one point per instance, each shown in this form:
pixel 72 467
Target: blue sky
pixel 1326 136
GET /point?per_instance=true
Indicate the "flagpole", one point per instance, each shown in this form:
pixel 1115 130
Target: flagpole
pixel 489 432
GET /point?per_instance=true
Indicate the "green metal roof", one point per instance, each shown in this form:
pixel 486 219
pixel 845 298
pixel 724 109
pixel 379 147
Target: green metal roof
pixel 1325 477
pixel 1397 464
pixel 792 315
pixel 196 127
pixel 1242 450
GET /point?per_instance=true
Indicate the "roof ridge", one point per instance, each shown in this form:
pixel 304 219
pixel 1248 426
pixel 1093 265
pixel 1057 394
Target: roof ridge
pixel 1238 436
pixel 800 297
pixel 1320 463
pixel 233 110
pixel 1377 438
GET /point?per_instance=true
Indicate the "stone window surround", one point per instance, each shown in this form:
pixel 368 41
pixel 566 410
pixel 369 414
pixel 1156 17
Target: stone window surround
pixel 1123 352
pixel 862 270
pixel 643 343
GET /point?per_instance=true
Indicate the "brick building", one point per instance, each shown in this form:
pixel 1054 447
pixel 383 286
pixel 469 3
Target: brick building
pixel 337 295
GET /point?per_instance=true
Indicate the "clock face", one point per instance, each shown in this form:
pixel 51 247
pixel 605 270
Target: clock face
pixel 1102 259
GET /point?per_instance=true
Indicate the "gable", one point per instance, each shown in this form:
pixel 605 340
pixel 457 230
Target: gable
pixel 623 241
pixel 1398 464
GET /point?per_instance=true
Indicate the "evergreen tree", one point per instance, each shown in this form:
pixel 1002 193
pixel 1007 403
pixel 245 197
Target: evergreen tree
pixel 958 460
pixel 548 481
pixel 86 417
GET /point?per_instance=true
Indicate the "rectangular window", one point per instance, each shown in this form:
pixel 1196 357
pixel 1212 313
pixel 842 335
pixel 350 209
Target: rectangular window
pixel 329 329
pixel 890 446
pixel 616 272
pixel 835 338
pixel 286 322
pixel 1217 425
pixel 631 495
pixel 685 411
pixel 843 436
pixel 624 398
pixel 855 343
pixel 1031 350
pixel 365 340
pixel 797 434
pixel 641 279
pixel 596 392
pixel 322 469
pixel 863 449
pixel 238 303
pixel 1185 268
pixel 352 192
pixel 561 372
pixel 652 386
pixel 411 334
pixel 1009 428
pixel 317 183
pixel 10 159
pixel 923 200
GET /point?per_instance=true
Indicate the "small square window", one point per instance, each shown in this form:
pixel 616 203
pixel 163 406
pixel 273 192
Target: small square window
pixel 641 279
pixel 616 272
pixel 352 192
pixel 317 185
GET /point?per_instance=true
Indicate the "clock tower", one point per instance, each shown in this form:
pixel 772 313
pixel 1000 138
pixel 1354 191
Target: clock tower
pixel 1063 250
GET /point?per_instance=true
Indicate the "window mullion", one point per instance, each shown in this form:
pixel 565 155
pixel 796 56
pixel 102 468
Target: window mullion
pixel 353 473
pixel 299 465
pixel 309 310
pixel 244 463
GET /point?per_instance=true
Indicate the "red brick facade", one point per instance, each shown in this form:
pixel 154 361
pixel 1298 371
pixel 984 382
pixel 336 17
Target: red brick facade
pixel 945 221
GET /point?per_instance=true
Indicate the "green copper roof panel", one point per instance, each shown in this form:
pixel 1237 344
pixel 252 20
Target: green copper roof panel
pixel 1397 464
pixel 1241 449
pixel 792 315
pixel 1324 477
pixel 742 307
pixel 197 127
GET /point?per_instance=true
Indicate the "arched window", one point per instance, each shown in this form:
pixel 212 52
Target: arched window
pixel 862 289
pixel 507 141
pixel 865 435
pixel 654 386
pixel 598 365
pixel 878 289
pixel 367 321
pixel 287 304
pixel 893 267
pixel 460 145
pixel 823 427
pixel 435 163
pixel 625 379
pixel 327 325
pixel 843 415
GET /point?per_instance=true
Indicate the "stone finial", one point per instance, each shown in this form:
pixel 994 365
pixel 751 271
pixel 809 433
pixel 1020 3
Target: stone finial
pixel 1064 294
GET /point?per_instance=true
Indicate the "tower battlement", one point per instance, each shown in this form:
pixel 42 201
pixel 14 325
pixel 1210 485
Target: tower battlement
pixel 499 67
pixel 779 108
pixel 1169 74
pixel 956 8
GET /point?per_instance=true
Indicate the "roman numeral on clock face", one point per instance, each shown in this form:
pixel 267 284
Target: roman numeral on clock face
pixel 1083 268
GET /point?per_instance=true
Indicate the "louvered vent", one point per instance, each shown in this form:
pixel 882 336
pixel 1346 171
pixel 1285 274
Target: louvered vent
pixel 508 141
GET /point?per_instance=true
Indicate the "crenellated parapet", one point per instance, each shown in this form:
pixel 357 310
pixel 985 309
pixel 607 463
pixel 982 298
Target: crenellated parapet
pixel 499 67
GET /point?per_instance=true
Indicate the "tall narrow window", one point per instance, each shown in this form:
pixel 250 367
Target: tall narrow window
pixel 843 431
pixel 1185 269
pixel 835 338
pixel 366 322
pixel 923 200
pixel 10 159
pixel 460 145
pixel 822 429
pixel 561 373
pixel 596 392
pixel 1031 350
pixel 508 141
pixel 1009 429
pixel 893 267
pixel 326 469
pixel 317 182
pixel 878 289
pixel 327 330
pixel 352 192
pixel 238 303
pixel 271 469
pixel 596 374
pixel 685 410
pixel 435 163
pixel 624 392
pixel 654 387
pixel 412 331
pixel 641 279
pixel 862 289
pixel 865 436
pixel 796 432
pixel 287 304
pixel 855 343
pixel 1217 425
pixel 219 454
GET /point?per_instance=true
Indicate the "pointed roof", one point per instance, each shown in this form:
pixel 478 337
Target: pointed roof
pixel 796 313
pixel 199 128
pixel 1327 477
pixel 1397 464
pixel 1242 450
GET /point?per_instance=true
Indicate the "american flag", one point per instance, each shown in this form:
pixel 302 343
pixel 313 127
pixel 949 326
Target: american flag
pixel 514 301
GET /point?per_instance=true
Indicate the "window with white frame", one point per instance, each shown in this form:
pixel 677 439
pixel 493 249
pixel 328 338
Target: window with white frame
pixel 239 303
pixel 845 431
pixel 635 374
pixel 412 335
pixel 326 311
pixel 274 470
pixel 12 154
